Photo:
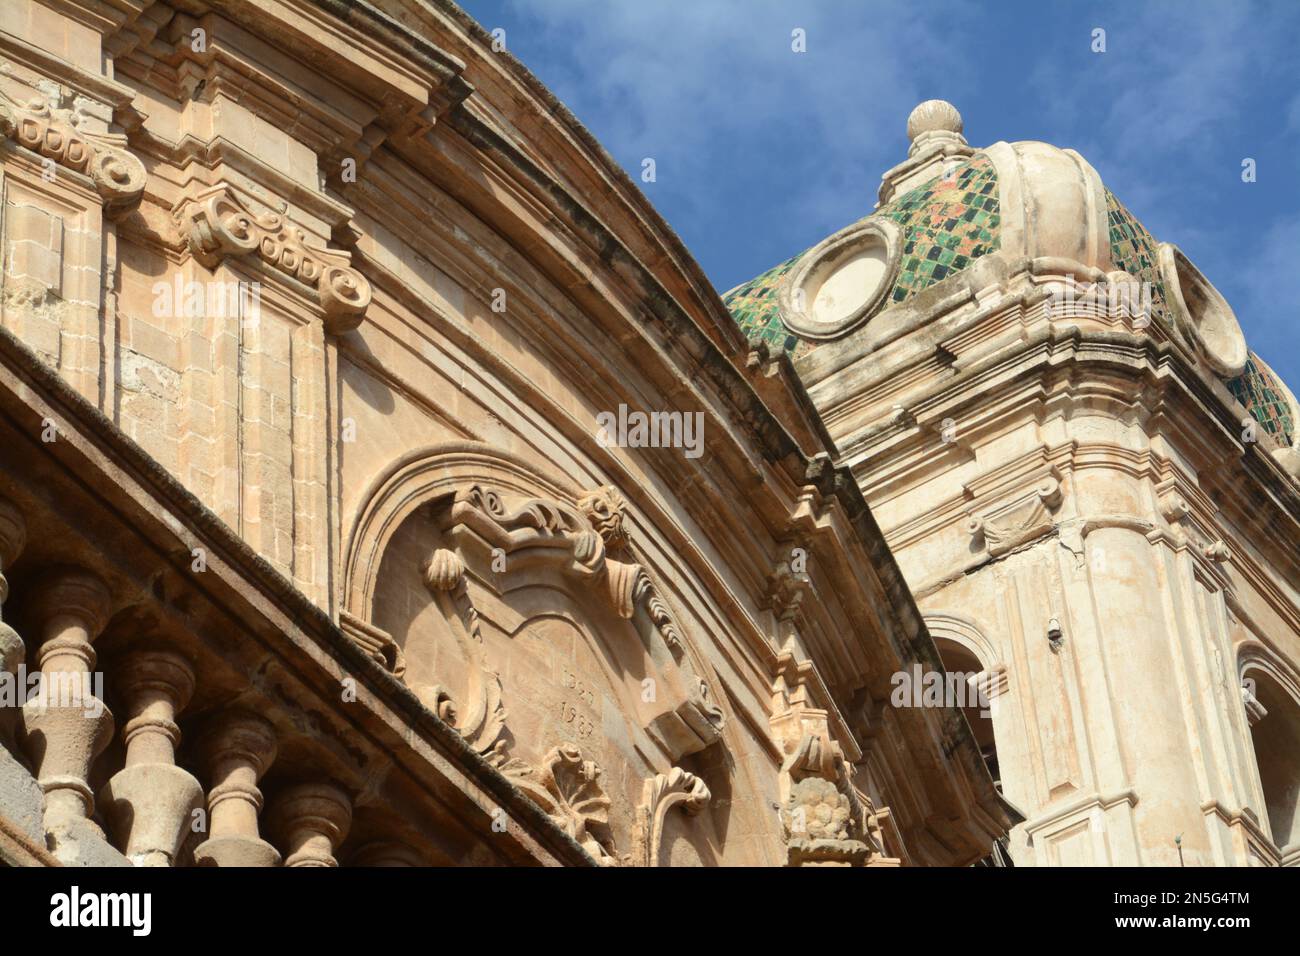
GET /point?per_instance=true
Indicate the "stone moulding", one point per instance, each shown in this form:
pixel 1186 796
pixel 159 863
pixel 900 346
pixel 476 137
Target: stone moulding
pixel 660 794
pixel 217 223
pixel 118 176
pixel 1020 521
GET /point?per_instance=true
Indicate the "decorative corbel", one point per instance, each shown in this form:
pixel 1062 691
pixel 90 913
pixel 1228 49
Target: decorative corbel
pixel 53 133
pixel 217 223
pixel 660 794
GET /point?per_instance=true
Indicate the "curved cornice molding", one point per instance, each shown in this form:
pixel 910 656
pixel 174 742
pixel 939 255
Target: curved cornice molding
pixel 420 476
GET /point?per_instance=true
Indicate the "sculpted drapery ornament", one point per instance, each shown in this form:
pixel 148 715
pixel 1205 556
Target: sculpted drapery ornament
pixel 217 223
pixel 54 133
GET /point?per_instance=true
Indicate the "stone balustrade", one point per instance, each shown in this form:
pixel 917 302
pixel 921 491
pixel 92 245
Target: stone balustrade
pixel 150 810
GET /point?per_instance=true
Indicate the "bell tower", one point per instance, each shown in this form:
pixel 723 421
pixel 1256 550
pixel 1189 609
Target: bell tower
pixel 1089 483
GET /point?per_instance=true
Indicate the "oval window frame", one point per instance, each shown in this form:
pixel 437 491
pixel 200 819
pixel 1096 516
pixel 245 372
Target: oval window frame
pixel 1223 347
pixel 821 261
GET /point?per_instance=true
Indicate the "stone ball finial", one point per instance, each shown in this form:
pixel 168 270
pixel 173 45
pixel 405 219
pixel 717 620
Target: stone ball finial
pixel 932 116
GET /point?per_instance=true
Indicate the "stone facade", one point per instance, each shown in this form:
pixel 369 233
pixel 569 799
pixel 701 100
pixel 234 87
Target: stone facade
pixel 309 527
pixel 1091 487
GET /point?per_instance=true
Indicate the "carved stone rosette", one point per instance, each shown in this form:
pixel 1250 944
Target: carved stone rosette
pixel 217 224
pixel 118 176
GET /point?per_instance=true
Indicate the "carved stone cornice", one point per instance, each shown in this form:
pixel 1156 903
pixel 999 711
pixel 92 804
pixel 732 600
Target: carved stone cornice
pixel 53 133
pixel 217 223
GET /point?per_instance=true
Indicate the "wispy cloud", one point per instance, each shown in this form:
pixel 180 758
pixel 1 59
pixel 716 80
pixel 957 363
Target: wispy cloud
pixel 761 152
pixel 752 141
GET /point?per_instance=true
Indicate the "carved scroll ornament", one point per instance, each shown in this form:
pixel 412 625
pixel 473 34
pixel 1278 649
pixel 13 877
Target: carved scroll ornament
pixel 547 532
pixel 660 794
pixel 217 224
pixel 118 176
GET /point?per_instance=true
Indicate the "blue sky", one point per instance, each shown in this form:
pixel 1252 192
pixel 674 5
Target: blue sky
pixel 761 152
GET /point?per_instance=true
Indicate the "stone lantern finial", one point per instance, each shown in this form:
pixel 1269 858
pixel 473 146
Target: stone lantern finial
pixel 933 116
pixel 937 145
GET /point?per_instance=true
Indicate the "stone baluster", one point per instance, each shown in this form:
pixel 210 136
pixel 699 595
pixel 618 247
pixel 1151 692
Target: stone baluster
pixel 238 750
pixel 149 801
pixel 312 819
pixel 13 652
pixel 66 724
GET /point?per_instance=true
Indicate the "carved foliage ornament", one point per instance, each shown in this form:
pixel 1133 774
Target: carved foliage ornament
pixel 567 787
pixel 217 224
pixel 48 131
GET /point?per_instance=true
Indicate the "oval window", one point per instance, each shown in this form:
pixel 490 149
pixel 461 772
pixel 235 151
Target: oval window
pixel 1202 314
pixel 840 282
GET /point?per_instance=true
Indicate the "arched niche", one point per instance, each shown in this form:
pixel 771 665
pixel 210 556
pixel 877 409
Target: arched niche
pixel 964 649
pixel 1270 690
pixel 524 618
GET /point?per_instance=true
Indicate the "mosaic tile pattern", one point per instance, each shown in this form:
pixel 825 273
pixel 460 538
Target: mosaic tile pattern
pixel 1134 250
pixel 946 224
pixel 754 307
pixel 1257 389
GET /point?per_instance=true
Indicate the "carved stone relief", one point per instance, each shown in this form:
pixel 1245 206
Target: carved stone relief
pixel 1019 521
pixel 553 658
pixel 54 133
pixel 825 819
pixel 217 223
pixel 659 795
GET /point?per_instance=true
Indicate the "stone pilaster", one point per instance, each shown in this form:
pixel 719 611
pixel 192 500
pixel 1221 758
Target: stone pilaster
pixel 150 800
pixel 312 819
pixel 239 749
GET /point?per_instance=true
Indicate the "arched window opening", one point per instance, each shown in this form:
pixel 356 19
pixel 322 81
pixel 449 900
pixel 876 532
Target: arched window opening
pixel 959 660
pixel 1275 731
